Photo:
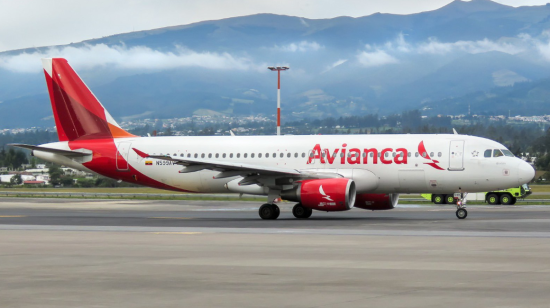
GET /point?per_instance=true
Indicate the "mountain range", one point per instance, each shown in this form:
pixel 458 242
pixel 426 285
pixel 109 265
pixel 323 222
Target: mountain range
pixel 492 57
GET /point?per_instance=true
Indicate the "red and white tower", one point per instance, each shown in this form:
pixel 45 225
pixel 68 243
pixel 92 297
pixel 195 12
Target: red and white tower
pixel 278 69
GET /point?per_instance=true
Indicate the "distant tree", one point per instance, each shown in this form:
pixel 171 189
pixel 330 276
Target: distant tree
pixel 16 180
pixel 55 174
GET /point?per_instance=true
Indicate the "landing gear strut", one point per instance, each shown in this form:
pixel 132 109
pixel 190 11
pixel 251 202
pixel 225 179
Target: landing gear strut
pixel 269 211
pixel 301 212
pixel 461 212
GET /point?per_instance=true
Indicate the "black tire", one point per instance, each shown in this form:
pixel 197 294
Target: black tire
pixel 493 199
pixel 269 211
pixel 506 199
pixel 461 213
pixel 439 199
pixel 514 200
pixel 301 212
pixel 450 199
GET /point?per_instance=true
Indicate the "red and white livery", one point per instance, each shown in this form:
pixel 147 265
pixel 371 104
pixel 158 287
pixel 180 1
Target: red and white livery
pixel 326 173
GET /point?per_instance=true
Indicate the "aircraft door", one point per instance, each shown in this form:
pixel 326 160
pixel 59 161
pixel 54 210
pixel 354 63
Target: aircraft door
pixel 122 154
pixel 456 155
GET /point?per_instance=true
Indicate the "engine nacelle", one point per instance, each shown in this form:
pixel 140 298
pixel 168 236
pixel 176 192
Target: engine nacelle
pixel 376 202
pixel 324 194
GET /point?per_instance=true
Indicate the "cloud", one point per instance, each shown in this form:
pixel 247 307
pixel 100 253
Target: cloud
pixel 435 47
pixel 139 57
pixel 335 64
pixel 303 46
pixel 375 58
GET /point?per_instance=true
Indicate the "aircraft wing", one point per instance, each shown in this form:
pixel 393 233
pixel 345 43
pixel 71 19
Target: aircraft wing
pixel 230 169
pixel 68 153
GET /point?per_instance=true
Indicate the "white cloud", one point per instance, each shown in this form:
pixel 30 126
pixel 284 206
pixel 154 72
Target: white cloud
pixel 335 64
pixel 303 46
pixel 435 47
pixel 139 57
pixel 375 58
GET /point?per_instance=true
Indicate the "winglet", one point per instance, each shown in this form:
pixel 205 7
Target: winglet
pixel 454 131
pixel 140 153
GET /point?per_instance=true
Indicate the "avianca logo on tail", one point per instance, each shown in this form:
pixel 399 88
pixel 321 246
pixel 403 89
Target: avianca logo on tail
pixel 322 192
pixel 352 156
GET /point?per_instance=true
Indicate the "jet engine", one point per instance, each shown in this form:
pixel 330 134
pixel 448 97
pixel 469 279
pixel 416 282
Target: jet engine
pixel 324 194
pixel 376 202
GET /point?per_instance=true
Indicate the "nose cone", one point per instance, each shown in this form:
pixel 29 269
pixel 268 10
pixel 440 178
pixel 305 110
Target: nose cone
pixel 526 173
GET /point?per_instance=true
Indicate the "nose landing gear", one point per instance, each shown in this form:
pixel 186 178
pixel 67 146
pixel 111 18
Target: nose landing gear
pixel 461 212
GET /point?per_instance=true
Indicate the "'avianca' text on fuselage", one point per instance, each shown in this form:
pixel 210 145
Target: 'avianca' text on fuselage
pixel 355 156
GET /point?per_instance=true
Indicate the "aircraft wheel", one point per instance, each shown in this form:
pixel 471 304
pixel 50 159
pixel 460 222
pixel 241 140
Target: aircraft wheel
pixel 492 199
pixel 269 211
pixel 450 199
pixel 506 199
pixel 301 212
pixel 461 213
pixel 438 199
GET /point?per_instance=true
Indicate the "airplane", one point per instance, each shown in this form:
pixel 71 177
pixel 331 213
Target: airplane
pixel 320 172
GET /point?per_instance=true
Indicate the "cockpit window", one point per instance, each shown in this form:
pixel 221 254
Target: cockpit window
pixel 487 153
pixel 497 153
pixel 508 153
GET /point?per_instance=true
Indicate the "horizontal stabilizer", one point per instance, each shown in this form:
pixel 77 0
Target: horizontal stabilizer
pixel 68 153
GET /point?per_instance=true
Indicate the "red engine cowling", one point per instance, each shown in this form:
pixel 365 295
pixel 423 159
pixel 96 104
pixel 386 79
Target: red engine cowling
pixel 376 202
pixel 324 195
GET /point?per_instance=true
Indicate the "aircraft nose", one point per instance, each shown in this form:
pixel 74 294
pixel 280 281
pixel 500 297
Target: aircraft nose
pixel 526 173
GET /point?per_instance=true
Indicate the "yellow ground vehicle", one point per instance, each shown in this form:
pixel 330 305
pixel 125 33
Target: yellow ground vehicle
pixel 507 196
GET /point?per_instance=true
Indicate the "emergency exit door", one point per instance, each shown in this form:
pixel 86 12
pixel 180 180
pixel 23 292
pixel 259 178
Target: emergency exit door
pixel 456 155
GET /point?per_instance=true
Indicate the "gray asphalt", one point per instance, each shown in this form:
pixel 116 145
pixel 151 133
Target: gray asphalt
pixel 117 253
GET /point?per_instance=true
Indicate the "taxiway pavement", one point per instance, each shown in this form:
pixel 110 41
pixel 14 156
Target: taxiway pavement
pixel 128 253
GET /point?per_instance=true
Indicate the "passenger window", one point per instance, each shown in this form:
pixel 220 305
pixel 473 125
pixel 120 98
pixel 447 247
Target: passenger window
pixel 252 155
pixel 245 155
pixel 223 155
pixel 259 155
pixel 266 155
pixel 295 155
pixel 189 155
pixel 282 155
pixel 371 154
pixel 386 154
pixel 209 155
pixel 424 154
pixel 497 153
pixel 274 155
pixel 439 154
pixel 416 154
pixel 393 154
pixel 303 155
pixel 196 155
pixel 431 154
pixel 231 155
pixel 487 153
pixel 202 156
pixel 364 154
pixel 238 155
pixel 341 154
pixel 288 155
pixel 323 154
pixel 217 155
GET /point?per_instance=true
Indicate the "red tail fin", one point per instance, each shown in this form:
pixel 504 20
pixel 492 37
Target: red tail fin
pixel 77 112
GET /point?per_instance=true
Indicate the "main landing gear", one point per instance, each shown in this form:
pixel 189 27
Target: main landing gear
pixel 272 211
pixel 301 212
pixel 269 211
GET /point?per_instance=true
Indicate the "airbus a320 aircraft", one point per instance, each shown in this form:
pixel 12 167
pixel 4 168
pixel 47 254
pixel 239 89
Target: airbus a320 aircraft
pixel 325 173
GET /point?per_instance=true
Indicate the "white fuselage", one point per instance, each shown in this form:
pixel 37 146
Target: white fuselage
pixel 377 163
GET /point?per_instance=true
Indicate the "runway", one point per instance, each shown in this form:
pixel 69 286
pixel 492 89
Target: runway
pixel 126 253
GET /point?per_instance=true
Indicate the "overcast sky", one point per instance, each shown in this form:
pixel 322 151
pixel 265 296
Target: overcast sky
pixel 33 23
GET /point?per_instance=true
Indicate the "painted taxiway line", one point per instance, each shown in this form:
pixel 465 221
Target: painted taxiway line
pixel 422 233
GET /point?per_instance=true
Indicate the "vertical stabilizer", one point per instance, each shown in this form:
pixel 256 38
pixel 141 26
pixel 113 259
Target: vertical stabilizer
pixel 78 113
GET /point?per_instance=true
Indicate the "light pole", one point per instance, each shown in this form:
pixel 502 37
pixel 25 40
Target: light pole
pixel 278 69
